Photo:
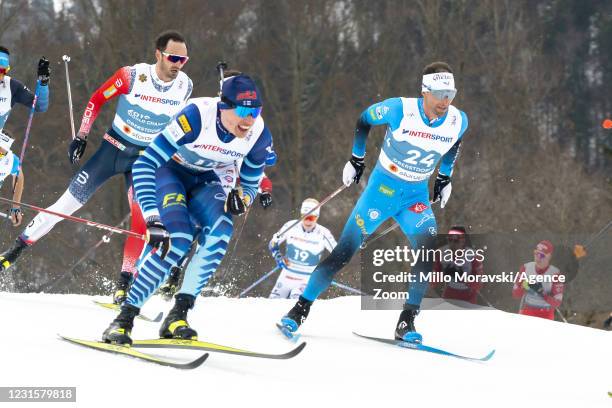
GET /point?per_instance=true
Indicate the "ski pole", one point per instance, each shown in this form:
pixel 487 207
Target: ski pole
pixel 367 242
pixel 324 201
pixel 104 240
pixel 257 282
pixel 27 132
pixel 77 219
pixel 348 288
pixel 66 59
pixel 221 67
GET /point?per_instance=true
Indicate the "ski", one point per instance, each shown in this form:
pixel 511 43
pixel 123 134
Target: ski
pixel 114 306
pixel 202 345
pixel 128 351
pixel 422 347
pixel 294 337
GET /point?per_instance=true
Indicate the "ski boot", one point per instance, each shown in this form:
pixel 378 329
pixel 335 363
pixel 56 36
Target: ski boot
pixel 175 325
pixel 123 286
pixel 120 329
pixel 10 256
pixel 405 329
pixel 297 315
pixel 168 289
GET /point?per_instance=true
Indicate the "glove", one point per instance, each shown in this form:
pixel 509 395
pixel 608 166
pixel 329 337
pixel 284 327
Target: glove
pixel 353 169
pixel 157 235
pixel 77 148
pixel 265 199
pixel 16 216
pixel 281 262
pixel 442 190
pixel 234 204
pixel 452 269
pixel 43 71
pixel 537 288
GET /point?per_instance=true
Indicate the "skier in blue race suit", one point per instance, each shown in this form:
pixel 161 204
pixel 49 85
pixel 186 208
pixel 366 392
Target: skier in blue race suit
pixel 177 179
pixel 420 133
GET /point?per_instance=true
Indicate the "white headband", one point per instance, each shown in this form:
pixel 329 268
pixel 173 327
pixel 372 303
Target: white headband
pixel 438 81
pixel 6 141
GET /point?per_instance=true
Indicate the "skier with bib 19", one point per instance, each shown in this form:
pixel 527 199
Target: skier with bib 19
pixel 420 133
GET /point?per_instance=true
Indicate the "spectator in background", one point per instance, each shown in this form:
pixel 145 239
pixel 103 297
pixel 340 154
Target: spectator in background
pixel 459 290
pixel 539 299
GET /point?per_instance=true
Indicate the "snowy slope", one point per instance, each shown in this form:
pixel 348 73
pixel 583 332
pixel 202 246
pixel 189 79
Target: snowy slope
pixel 538 363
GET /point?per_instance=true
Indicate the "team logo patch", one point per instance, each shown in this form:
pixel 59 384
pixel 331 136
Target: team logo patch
pixel 418 208
pixel 184 123
pixel 110 91
pixel 142 78
pixel 373 213
pixel 171 199
pixel 386 190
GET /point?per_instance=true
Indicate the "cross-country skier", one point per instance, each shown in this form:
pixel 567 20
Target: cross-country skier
pixel 9 164
pixel 177 179
pixel 304 245
pixel 169 288
pixel 539 299
pixel 12 91
pixel 149 95
pixel 420 133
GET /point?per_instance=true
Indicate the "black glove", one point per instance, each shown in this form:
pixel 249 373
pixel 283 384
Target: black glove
pixel 234 204
pixel 537 287
pixel 441 182
pixel 359 165
pixel 452 269
pixel 265 198
pixel 43 71
pixel 157 235
pixel 76 150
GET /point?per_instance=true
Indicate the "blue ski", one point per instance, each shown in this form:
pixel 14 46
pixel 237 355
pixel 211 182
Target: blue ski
pixel 422 347
pixel 294 337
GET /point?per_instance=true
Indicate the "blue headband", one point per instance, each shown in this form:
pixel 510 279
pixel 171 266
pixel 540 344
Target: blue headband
pixel 4 59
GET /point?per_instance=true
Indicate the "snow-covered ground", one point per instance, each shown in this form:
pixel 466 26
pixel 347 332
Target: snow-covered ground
pixel 538 363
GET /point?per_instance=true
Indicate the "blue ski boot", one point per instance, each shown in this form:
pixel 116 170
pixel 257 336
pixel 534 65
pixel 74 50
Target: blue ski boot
pixel 291 322
pixel 405 329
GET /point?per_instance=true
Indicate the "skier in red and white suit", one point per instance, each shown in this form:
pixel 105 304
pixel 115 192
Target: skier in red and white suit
pixel 540 298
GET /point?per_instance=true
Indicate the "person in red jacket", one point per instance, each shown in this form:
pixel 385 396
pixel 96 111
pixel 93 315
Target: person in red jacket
pixel 466 291
pixel 539 299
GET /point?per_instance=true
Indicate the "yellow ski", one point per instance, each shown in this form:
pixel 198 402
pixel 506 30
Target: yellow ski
pixel 128 351
pixel 202 345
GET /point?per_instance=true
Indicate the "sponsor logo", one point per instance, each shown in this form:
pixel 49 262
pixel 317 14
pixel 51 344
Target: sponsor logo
pixel 87 115
pixel 229 179
pixel 429 136
pixel 386 190
pixel 372 113
pixel 220 196
pixel 171 199
pixel 156 99
pixel 432 230
pixel 142 78
pixel 219 149
pixel 418 208
pixel 3 99
pixel 443 77
pixel 118 82
pixel 82 177
pixel 393 168
pixel 454 120
pixel 246 95
pixel 361 224
pixel 180 85
pixel 126 129
pixel 110 91
pixel 114 142
pixel 184 123
pixel 373 213
pixel 381 111
pixel 426 217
